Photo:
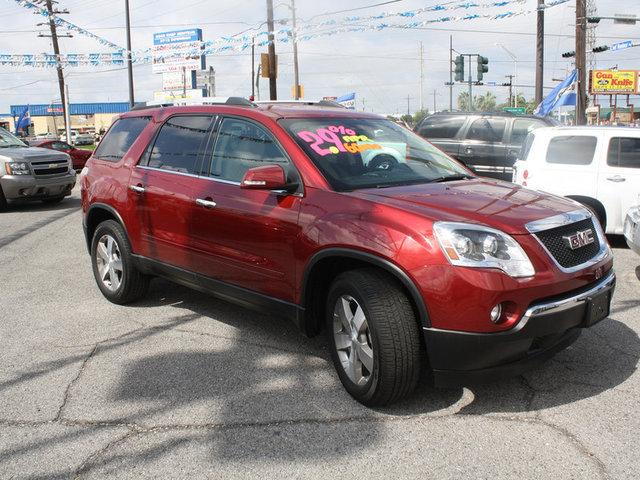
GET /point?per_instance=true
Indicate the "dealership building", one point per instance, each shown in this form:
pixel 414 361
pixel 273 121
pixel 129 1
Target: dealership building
pixel 48 118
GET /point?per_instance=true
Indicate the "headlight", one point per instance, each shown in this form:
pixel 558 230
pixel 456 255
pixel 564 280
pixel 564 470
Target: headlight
pixel 17 168
pixel 469 245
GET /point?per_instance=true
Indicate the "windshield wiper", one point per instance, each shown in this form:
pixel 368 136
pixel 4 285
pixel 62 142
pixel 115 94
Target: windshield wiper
pixel 450 178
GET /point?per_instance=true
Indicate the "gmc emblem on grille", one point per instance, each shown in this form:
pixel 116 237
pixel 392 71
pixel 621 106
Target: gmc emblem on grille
pixel 579 239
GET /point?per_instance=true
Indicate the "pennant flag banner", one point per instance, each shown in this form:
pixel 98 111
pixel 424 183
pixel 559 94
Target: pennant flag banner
pixel 226 44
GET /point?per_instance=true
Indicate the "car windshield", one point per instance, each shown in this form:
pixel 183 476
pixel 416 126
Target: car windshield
pixel 354 153
pixel 7 140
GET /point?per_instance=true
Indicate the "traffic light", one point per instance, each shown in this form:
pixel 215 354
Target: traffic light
pixel 602 48
pixel 569 54
pixel 483 67
pixel 459 70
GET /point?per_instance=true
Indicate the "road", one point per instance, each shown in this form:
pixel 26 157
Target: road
pixel 186 386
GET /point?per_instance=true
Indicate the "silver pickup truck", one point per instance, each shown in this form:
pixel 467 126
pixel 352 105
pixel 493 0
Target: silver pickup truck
pixel 32 173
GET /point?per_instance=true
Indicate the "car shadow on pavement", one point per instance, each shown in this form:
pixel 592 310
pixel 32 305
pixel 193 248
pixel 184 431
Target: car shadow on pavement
pixel 38 206
pixel 253 385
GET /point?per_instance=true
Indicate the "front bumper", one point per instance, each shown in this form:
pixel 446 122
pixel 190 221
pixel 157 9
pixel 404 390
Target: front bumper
pixel 632 229
pixel 458 358
pixel 32 187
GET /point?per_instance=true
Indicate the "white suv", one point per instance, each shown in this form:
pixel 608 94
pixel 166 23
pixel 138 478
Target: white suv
pixel 596 166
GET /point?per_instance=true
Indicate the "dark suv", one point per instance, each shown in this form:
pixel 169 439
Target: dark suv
pixel 345 222
pixel 487 143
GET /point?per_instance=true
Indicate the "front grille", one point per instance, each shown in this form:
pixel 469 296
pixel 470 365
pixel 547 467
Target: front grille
pixel 50 171
pixel 557 246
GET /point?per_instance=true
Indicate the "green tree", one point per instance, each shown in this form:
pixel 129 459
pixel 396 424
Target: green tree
pixel 485 103
pixel 419 115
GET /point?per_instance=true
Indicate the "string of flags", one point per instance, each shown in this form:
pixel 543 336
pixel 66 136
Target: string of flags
pixel 226 44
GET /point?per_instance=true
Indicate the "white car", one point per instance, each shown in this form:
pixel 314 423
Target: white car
pixel 596 166
pixel 632 229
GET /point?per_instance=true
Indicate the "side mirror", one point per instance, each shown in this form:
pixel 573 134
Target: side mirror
pixel 268 177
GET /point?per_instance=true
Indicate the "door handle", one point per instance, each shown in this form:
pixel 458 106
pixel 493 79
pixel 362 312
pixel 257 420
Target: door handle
pixel 137 188
pixel 468 150
pixel 616 178
pixel 205 202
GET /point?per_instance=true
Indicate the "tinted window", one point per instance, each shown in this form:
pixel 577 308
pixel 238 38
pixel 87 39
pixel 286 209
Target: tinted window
pixel 624 152
pixel 487 129
pixel 522 127
pixel 441 126
pixel 120 138
pixel 179 142
pixel 571 150
pixel 242 145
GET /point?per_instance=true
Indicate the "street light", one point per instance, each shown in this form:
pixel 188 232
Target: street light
pixel 515 73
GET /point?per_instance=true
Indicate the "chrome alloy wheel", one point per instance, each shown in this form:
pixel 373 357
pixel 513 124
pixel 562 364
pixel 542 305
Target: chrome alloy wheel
pixel 109 262
pixel 353 340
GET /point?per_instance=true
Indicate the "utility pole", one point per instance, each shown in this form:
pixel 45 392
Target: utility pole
pixel 421 75
pixel 296 77
pixel 451 73
pixel 435 92
pixel 129 59
pixel 273 90
pixel 510 85
pixel 470 87
pixel 540 52
pixel 56 51
pixel 581 60
pixel 408 112
pixel 253 67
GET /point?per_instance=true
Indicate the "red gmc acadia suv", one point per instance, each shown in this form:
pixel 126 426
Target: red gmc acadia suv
pixel 345 223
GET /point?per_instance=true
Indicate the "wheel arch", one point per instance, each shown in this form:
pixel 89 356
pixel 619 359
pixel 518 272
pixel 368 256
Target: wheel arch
pixel 328 263
pixel 595 204
pixel 98 213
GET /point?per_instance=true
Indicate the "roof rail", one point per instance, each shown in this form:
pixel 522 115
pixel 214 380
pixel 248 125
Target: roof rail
pixel 236 101
pixel 301 103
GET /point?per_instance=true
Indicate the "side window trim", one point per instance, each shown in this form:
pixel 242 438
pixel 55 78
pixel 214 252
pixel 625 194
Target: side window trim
pixel 215 138
pixel 143 161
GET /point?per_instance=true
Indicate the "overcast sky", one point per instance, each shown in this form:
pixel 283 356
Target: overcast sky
pixel 382 67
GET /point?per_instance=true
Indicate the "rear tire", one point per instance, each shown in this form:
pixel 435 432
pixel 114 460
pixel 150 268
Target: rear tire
pixel 116 275
pixel 374 336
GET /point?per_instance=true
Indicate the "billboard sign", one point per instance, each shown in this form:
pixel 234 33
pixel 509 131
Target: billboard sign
pixel 178 80
pixel 177 50
pixel 614 82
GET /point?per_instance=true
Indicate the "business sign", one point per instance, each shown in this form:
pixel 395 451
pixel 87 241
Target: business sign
pixel 177 51
pixel 348 100
pixel 170 96
pixel 614 82
pixel 178 80
pixel 621 45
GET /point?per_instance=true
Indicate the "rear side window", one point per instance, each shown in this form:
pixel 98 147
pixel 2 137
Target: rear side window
pixel 624 152
pixel 522 127
pixel 179 142
pixel 571 150
pixel 487 129
pixel 526 146
pixel 120 138
pixel 441 127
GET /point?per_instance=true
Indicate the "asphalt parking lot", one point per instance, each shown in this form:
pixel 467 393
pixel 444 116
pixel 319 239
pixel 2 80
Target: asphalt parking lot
pixel 187 386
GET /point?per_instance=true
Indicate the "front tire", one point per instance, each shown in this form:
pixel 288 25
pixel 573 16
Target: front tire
pixel 373 336
pixel 116 275
pixel 3 201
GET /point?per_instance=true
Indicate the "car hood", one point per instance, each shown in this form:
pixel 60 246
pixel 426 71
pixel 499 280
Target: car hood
pixel 28 154
pixel 498 204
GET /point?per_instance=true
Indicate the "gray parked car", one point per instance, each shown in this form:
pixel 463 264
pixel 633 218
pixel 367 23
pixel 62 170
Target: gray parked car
pixel 32 173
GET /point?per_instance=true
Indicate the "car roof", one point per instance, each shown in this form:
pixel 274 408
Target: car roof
pixel 586 129
pixel 269 110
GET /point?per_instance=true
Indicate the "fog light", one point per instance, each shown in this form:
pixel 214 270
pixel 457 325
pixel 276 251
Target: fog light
pixel 496 313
